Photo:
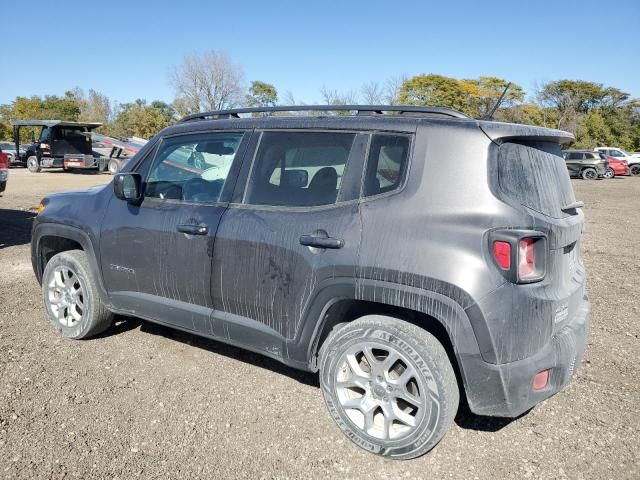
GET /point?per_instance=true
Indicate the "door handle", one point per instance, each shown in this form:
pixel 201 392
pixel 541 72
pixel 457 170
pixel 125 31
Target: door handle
pixel 320 241
pixel 193 229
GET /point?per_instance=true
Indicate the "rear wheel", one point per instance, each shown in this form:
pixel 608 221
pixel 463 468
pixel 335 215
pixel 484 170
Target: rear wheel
pixel 609 173
pixel 71 297
pixel 388 385
pixel 589 174
pixel 33 164
pixel 635 169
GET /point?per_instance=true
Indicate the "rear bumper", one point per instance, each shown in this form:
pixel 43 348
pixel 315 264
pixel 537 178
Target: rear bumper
pixel 3 186
pixel 505 390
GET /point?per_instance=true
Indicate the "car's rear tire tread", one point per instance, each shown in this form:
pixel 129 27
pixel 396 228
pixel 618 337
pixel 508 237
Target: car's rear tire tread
pixel 428 348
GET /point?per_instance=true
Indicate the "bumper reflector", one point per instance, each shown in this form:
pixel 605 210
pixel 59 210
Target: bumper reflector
pixel 541 380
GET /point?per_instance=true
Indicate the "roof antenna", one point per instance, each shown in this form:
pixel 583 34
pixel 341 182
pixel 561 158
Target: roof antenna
pixel 489 116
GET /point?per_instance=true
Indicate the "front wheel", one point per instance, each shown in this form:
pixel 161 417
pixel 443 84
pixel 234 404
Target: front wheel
pixel 33 164
pixel 635 170
pixel 609 173
pixel 71 296
pixel 389 385
pixel 589 174
pixel 113 166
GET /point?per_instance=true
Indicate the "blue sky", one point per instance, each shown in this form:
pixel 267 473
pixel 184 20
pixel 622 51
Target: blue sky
pixel 126 49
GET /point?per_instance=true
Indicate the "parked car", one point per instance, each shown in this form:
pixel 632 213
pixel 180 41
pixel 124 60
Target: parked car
pixel 618 153
pixel 635 154
pixel 4 170
pixel 15 158
pixel 586 164
pixel 337 244
pixel 616 167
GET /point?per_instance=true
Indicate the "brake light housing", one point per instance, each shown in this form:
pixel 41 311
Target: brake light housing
pixel 520 255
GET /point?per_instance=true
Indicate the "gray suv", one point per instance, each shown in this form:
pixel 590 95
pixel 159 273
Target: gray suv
pixel 336 243
pixel 586 164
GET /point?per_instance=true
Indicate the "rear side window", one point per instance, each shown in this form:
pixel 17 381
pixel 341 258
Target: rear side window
pixel 387 163
pixel 299 168
pixel 534 175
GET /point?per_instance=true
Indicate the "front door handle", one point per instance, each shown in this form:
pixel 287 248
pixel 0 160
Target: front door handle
pixel 193 229
pixel 320 241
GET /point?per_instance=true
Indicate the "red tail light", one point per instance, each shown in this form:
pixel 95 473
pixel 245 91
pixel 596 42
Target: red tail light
pixel 521 255
pixel 4 161
pixel 502 252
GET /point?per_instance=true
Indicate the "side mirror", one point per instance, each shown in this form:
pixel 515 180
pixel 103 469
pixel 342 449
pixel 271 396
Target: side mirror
pixel 128 187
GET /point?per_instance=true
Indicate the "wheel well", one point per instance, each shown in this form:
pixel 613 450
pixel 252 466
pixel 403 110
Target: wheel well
pixel 50 246
pixel 345 311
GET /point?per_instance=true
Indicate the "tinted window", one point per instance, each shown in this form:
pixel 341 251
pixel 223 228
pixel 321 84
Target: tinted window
pixel 533 175
pixel 192 168
pixel 386 164
pixel 299 168
pixel 574 156
pixel 616 153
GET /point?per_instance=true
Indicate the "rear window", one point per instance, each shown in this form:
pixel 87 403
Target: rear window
pixel 535 175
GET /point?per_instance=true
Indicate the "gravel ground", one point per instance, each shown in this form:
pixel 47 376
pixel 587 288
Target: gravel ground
pixel 145 401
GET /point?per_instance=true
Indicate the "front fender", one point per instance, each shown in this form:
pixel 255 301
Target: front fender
pixel 42 230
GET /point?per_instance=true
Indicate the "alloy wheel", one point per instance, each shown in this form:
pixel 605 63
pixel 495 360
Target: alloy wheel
pixel 65 295
pixel 379 390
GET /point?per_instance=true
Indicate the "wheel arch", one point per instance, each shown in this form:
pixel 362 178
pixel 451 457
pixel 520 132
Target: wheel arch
pixel 49 239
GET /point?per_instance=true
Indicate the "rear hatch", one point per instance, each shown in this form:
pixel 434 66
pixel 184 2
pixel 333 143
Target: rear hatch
pixel 528 172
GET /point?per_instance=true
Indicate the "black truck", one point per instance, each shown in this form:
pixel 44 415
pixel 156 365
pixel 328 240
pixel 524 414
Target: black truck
pixel 60 144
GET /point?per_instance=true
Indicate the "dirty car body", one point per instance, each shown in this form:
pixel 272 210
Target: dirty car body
pixel 487 261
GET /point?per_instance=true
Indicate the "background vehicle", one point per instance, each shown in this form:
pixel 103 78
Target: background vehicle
pixel 4 170
pixel 585 164
pixel 116 152
pixel 617 167
pixel 15 158
pixel 329 244
pixel 60 144
pixel 617 153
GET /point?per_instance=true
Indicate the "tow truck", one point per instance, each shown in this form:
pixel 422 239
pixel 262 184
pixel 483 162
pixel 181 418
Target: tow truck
pixel 69 145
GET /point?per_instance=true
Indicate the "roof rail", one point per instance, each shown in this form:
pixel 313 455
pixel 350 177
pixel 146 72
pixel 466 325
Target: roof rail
pixel 359 109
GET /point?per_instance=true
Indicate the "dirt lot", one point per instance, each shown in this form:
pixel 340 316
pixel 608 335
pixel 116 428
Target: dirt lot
pixel 145 401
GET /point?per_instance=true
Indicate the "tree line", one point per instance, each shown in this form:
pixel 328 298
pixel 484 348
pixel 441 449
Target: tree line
pixel 594 113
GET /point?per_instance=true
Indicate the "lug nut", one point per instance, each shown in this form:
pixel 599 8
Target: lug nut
pixel 389 388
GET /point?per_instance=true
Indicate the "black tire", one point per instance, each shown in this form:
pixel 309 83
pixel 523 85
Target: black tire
pixel 114 166
pixel 428 377
pixel 609 173
pixel 94 316
pixel 635 169
pixel 33 164
pixel 589 173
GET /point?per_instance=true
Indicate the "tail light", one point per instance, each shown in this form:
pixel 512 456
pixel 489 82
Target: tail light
pixel 4 161
pixel 521 255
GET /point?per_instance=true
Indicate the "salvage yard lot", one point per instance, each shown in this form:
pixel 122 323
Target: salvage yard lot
pixel 145 401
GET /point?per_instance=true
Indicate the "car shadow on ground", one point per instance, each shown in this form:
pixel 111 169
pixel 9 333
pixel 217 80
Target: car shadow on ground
pixel 464 419
pixel 15 227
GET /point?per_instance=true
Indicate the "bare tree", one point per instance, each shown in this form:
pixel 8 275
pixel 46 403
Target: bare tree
pixel 373 93
pixel 392 89
pixel 334 97
pixel 210 81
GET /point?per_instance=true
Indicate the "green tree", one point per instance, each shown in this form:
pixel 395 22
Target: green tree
pixel 434 90
pixel 262 94
pixel 140 119
pixel 484 92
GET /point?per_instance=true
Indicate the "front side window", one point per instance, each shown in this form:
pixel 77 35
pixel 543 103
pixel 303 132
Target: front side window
pixel 387 163
pixel 299 168
pixel 193 168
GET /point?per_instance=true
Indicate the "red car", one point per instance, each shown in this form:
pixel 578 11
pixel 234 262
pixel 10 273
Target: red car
pixel 616 167
pixel 4 170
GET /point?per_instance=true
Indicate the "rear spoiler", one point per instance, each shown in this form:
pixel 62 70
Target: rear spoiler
pixel 503 132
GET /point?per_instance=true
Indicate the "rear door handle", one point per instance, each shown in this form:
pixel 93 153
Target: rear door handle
pixel 193 229
pixel 319 241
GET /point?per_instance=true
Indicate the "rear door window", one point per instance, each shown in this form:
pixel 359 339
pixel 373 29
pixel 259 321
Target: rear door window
pixel 299 168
